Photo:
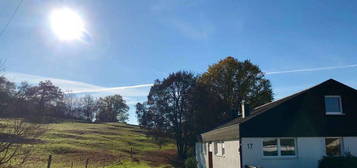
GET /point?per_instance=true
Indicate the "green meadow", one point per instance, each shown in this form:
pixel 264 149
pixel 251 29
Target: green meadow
pixel 108 145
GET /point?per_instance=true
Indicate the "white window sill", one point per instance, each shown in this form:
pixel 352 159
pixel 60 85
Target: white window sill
pixel 279 157
pixel 219 155
pixel 335 113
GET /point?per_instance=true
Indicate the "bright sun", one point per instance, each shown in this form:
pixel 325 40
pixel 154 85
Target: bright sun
pixel 67 24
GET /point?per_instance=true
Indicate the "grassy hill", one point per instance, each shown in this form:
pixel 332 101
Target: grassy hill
pixel 104 145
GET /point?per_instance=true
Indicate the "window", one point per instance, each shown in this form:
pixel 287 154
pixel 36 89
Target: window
pixel 333 105
pixel 333 146
pixel 223 150
pixel 215 148
pixel 210 147
pixel 287 147
pixel 219 148
pixel 283 147
pixel 270 147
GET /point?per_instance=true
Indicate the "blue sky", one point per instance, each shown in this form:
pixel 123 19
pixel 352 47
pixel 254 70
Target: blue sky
pixel 131 43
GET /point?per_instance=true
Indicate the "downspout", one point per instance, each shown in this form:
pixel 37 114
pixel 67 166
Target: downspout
pixel 240 139
pixel 243 108
pixel 240 150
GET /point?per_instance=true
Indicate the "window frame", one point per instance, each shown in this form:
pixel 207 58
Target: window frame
pixel 223 151
pixel 340 105
pixel 279 148
pixel 215 148
pixel 220 151
pixel 341 146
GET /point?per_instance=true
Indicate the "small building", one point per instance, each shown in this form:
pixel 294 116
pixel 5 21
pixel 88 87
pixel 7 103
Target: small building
pixel 293 132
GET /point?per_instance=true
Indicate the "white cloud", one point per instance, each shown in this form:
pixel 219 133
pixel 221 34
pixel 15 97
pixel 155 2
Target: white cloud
pixel 66 85
pixel 76 87
pixel 112 89
pixel 200 29
pixel 312 69
pixel 190 30
pixel 172 6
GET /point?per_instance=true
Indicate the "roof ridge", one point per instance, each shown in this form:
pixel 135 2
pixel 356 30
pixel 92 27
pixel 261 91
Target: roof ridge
pixel 281 99
pixel 285 99
pixel 253 113
pixel 294 94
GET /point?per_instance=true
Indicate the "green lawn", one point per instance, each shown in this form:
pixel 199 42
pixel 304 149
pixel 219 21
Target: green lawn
pixel 105 145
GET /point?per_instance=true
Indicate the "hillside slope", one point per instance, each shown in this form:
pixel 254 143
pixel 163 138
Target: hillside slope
pixel 104 145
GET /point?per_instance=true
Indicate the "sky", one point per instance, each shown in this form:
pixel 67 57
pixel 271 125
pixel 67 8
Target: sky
pixel 130 43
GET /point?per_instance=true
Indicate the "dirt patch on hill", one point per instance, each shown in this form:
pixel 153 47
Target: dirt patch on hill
pixel 160 157
pixel 11 138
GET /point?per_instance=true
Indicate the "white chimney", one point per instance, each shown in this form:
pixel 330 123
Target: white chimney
pixel 243 108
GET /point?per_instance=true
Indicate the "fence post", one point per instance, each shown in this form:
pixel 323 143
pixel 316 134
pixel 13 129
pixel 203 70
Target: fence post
pixel 131 152
pixel 72 165
pixel 49 161
pixel 87 163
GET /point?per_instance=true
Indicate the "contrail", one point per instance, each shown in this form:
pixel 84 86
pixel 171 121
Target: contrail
pixel 89 88
pixel 267 73
pixel 312 69
pixel 109 89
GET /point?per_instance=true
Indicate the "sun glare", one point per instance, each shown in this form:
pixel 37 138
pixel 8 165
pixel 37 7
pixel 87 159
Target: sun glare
pixel 67 24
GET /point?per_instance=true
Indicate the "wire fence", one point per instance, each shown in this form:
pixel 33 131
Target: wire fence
pixel 87 162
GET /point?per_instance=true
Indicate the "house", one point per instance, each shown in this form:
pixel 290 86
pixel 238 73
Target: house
pixel 294 132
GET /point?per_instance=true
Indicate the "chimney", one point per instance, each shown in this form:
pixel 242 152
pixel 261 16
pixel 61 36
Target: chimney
pixel 243 109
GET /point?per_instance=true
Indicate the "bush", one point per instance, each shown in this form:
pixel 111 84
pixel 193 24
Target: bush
pixel 348 161
pixel 191 162
pixel 190 152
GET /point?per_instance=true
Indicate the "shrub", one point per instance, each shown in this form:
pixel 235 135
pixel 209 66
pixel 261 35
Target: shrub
pixel 191 162
pixel 190 152
pixel 348 161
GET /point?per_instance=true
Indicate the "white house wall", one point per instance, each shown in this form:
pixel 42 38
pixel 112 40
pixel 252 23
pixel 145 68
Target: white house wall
pixel 350 145
pixel 231 158
pixel 201 155
pixel 309 152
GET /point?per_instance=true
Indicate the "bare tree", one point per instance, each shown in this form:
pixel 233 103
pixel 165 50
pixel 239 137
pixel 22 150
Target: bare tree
pixel 17 140
pixel 89 107
pixel 70 101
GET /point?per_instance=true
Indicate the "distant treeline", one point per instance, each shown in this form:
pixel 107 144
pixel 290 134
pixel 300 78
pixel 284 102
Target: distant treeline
pixel 46 102
pixel 184 105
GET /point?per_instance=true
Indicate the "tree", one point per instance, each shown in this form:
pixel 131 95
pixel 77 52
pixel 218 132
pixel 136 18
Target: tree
pixel 112 109
pixel 169 102
pixel 48 95
pixel 187 105
pixel 47 99
pixel 24 106
pixel 159 137
pixel 233 81
pixel 142 114
pixel 71 105
pixel 89 107
pixel 7 92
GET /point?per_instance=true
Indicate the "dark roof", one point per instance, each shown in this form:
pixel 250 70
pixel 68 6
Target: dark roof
pixel 227 133
pixel 290 107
